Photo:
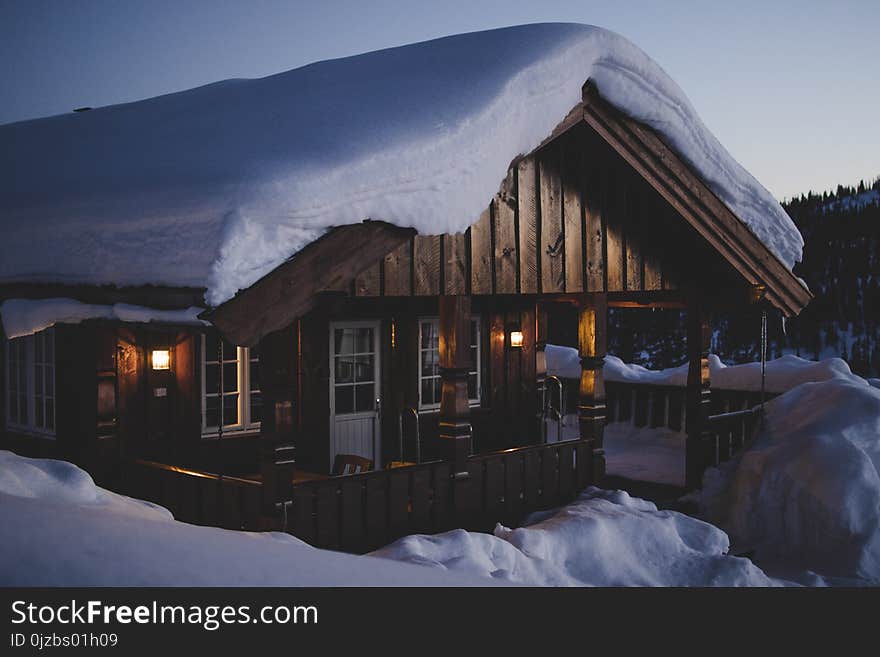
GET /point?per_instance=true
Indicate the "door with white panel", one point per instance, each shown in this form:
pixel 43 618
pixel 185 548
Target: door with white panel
pixel 354 390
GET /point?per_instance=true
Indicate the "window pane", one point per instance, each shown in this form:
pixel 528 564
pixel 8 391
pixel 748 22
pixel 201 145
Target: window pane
pixel 212 411
pixel 38 348
pixel 364 340
pixel 212 343
pixel 50 346
pixel 427 334
pixel 364 400
pixel 50 381
pixel 364 368
pixel 230 351
pixel 427 391
pixel 344 369
pixel 230 409
pixel 23 415
pixel 13 407
pixel 344 399
pixel 230 377
pixel 438 390
pixel 474 332
pixel 256 407
pixel 38 412
pixel 254 373
pixel 474 360
pixel 38 380
pixel 343 341
pixel 50 414
pixel 212 379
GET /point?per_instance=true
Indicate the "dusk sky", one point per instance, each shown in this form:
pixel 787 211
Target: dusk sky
pixel 790 88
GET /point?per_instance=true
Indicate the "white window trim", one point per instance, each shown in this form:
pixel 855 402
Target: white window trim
pixel 29 363
pixel 478 369
pixel 243 370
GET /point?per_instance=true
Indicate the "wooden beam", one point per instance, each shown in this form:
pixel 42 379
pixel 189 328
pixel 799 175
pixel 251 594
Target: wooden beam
pixel 455 363
pixel 592 345
pixel 527 224
pixel 290 290
pixel 426 259
pixel 481 254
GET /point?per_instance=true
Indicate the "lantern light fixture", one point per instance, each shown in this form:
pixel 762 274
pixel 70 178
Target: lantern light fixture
pixel 515 338
pixel 161 359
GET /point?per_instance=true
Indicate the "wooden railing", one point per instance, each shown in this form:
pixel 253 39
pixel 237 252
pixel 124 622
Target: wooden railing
pixel 362 512
pixel 649 405
pixel 727 433
pixel 201 498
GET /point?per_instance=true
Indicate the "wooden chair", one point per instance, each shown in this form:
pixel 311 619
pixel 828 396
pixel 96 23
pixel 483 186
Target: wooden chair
pixel 349 464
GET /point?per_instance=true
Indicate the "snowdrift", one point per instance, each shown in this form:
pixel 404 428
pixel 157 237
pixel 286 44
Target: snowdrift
pixel 604 538
pixel 807 493
pixel 58 529
pixel 215 186
pixel 782 374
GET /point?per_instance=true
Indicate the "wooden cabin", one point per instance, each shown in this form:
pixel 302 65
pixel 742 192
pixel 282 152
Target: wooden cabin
pixel 406 349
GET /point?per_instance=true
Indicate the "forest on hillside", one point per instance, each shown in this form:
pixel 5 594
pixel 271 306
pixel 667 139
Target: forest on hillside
pixel 841 266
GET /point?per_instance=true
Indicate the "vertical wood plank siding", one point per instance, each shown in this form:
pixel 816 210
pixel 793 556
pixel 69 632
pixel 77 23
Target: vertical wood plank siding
pixel 570 217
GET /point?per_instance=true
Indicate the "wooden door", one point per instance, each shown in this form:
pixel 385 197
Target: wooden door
pixel 354 390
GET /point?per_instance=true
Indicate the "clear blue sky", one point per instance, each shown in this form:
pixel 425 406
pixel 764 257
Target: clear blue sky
pixel 792 89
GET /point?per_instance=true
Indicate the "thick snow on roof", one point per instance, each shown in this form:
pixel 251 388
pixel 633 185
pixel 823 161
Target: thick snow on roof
pixel 26 316
pixel 218 185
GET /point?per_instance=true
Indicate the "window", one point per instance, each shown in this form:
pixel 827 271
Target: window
pixel 354 369
pixel 230 386
pixel 430 386
pixel 30 383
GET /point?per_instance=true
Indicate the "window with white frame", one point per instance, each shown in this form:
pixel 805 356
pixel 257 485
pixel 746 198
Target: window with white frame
pixel 430 385
pixel 230 386
pixel 30 383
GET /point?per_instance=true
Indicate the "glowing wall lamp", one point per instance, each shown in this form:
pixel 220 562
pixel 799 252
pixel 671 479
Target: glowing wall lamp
pixel 514 338
pixel 161 359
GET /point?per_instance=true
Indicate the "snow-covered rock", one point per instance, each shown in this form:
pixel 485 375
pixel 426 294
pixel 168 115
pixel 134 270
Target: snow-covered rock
pixel 604 538
pixel 215 186
pixel 808 491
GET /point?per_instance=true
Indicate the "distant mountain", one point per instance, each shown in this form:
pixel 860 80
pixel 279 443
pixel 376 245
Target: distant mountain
pixel 841 265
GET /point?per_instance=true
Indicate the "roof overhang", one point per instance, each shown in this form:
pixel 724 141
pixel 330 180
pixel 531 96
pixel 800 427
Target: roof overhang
pixel 676 182
pixel 290 291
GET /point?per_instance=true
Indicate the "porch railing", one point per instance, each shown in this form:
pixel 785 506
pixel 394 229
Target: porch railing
pixel 200 498
pixel 358 513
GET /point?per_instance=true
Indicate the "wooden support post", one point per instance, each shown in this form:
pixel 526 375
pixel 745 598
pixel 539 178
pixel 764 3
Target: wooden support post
pixel 699 334
pixel 278 373
pixel 592 339
pixel 455 357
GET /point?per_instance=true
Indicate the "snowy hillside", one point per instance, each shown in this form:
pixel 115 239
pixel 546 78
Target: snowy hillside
pixel 218 185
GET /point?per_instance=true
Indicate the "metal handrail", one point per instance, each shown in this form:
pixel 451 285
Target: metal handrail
pixel 400 432
pixel 548 405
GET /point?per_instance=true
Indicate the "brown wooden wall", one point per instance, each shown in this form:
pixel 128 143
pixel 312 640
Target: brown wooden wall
pixel 571 217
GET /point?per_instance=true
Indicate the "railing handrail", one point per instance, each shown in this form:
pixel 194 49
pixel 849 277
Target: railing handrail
pixel 734 415
pixel 196 473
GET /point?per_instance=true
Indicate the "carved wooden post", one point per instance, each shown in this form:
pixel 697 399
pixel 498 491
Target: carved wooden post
pixel 455 357
pixel 592 341
pixel 278 370
pixel 699 334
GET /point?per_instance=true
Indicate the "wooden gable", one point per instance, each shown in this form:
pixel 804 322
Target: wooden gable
pixel 602 205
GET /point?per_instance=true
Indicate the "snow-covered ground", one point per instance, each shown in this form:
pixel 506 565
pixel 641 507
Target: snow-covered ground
pixel 58 529
pixel 604 538
pixel 215 186
pixel 807 493
pixel 645 454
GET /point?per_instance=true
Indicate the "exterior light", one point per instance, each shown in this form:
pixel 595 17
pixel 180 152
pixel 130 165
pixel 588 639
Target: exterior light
pixel 515 339
pixel 161 359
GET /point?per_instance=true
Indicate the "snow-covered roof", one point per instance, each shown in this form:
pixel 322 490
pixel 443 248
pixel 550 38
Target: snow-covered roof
pixel 216 186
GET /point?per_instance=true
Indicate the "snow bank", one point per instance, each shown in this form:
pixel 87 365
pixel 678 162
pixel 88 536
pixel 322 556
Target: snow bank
pixel 604 538
pixel 26 316
pixel 808 491
pixel 58 529
pixel 645 454
pixel 782 373
pixel 216 186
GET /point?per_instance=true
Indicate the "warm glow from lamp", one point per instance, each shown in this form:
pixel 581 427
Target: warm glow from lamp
pixel 161 359
pixel 516 339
